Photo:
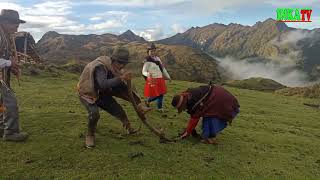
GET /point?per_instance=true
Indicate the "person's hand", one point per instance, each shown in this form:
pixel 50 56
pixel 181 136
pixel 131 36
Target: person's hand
pixel 184 135
pixel 150 75
pixel 126 76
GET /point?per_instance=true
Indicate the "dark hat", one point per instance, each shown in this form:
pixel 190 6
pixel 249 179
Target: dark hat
pixel 179 101
pixel 120 54
pixel 175 100
pixel 11 16
pixel 151 46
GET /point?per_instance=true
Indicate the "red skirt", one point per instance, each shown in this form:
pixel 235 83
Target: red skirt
pixel 155 87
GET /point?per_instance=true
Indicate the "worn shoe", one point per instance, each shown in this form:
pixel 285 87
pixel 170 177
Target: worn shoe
pixel 90 141
pixel 147 103
pixel 210 141
pixel 132 131
pixel 16 137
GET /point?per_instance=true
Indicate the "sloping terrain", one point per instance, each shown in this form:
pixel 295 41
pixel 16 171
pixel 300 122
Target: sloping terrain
pixel 274 137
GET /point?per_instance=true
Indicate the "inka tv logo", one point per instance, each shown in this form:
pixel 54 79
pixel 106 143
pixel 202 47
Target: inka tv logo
pixel 294 14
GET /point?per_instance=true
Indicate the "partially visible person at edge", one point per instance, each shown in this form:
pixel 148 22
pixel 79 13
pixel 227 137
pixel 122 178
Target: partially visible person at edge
pixel 155 74
pixel 214 104
pixel 9 117
pixel 100 80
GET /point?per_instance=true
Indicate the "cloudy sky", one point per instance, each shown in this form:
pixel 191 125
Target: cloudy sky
pixel 151 19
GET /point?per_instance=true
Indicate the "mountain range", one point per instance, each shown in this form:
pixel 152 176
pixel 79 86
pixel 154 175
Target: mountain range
pixel 265 41
pixel 195 54
pixel 182 62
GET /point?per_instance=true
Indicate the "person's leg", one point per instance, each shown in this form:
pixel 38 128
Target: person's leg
pixel 1 118
pixel 11 116
pixel 93 116
pixel 205 128
pixel 109 104
pixel 208 136
pixel 151 99
pixel 216 126
pixel 212 133
pixel 160 101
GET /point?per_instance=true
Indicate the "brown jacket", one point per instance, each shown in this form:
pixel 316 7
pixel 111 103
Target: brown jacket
pixel 5 53
pixel 86 88
pixel 219 103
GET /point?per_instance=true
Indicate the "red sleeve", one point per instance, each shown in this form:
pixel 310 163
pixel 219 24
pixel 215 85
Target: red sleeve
pixel 192 124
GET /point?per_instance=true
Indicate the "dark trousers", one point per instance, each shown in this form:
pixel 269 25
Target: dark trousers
pixel 9 119
pixel 108 104
pixel 159 100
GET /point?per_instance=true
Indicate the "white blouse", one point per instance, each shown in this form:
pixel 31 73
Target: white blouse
pixel 153 70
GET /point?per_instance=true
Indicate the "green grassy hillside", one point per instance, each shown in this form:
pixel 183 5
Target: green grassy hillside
pixel 274 137
pixel 258 83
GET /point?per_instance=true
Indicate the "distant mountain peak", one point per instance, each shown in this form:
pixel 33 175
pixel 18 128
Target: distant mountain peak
pixel 129 32
pixel 281 26
pixel 51 34
pixel 217 24
pixel 270 20
pixel 131 36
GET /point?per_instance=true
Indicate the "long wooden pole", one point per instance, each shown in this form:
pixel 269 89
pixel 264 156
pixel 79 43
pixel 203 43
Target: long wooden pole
pixel 15 57
pixel 143 118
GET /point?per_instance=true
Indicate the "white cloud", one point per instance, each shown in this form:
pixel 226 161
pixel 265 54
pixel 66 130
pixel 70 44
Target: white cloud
pixel 58 16
pixel 7 5
pixel 105 25
pixel 62 15
pixel 306 25
pixel 51 8
pixel 283 73
pixel 178 28
pixel 209 7
pixel 120 15
pixel 290 3
pixel 281 68
pixel 152 34
pixel 134 3
pixel 293 37
pixel 96 18
pixel 49 16
pixel 292 40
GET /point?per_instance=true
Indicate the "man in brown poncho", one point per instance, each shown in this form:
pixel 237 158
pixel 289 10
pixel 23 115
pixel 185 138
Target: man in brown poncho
pixel 100 80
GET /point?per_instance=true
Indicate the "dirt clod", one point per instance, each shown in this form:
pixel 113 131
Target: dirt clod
pixel 134 155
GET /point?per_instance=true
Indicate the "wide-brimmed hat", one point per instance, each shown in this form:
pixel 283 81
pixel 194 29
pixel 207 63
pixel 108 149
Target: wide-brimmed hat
pixel 11 15
pixel 151 46
pixel 121 55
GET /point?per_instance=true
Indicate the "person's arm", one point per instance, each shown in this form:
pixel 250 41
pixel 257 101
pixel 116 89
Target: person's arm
pixel 4 63
pixel 166 74
pixel 101 78
pixel 164 70
pixel 191 125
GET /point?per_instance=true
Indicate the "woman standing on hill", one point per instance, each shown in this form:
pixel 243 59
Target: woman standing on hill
pixel 155 74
